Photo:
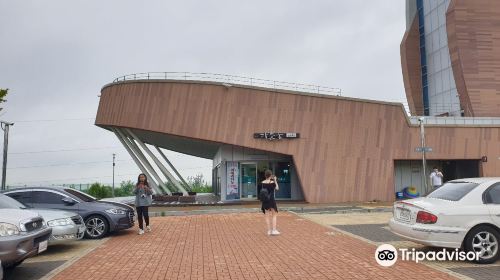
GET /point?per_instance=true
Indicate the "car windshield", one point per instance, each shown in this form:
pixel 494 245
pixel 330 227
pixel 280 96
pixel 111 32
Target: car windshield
pixel 453 191
pixel 81 195
pixel 10 203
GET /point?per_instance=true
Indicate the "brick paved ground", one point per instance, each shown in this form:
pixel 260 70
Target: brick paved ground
pixel 236 246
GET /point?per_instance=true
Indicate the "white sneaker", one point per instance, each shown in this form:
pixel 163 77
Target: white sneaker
pixel 148 228
pixel 275 232
pixel 141 232
pixel 269 232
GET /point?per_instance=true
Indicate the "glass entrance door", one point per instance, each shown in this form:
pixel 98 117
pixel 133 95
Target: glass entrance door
pixel 248 180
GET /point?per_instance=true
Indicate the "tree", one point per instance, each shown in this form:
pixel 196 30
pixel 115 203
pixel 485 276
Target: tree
pixel 3 94
pixel 100 191
pixel 198 184
pixel 126 189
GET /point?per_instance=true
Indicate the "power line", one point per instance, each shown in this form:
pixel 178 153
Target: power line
pixel 63 164
pixel 64 150
pixel 69 179
pixel 54 120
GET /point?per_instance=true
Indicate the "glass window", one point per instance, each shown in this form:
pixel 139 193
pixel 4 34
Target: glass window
pixel 10 203
pixel 442 14
pixel 433 4
pixel 23 197
pixel 44 197
pixel 427 6
pixel 435 40
pixel 445 55
pixel 439 82
pixel 445 81
pixel 434 18
pixel 453 191
pixel 427 25
pixel 493 194
pixel 282 170
pixel 437 62
pixel 81 195
pixel 443 39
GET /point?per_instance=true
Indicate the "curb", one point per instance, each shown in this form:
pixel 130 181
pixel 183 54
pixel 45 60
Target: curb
pixel 295 210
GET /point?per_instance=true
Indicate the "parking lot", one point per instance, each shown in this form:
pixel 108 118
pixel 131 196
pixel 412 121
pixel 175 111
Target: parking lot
pixel 226 246
pixel 54 259
pixel 372 228
pixel 324 243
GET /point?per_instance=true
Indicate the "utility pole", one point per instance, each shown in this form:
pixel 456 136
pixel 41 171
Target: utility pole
pixel 422 142
pixel 114 155
pixel 5 128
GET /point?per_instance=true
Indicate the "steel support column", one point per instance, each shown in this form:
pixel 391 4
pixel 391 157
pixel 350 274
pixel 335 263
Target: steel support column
pixel 136 160
pixel 145 161
pixel 172 166
pixel 158 163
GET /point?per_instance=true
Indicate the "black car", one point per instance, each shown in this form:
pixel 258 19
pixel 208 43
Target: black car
pixel 100 217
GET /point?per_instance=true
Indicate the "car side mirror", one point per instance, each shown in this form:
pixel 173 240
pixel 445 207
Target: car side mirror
pixel 68 201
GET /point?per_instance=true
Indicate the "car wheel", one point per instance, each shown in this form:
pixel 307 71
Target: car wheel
pixel 97 227
pixel 483 240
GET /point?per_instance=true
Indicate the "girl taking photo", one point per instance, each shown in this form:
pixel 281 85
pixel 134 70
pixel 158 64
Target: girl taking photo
pixel 269 207
pixel 143 199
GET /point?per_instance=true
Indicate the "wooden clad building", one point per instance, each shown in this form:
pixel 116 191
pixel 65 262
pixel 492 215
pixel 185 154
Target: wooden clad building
pixel 347 149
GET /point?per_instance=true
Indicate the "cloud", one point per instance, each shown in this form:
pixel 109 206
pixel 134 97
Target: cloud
pixel 56 55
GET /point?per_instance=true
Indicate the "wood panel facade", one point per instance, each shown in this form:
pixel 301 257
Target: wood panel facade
pixel 347 147
pixel 473 29
pixel 412 75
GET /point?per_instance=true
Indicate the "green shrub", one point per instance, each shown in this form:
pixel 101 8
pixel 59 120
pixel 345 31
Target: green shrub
pixel 198 184
pixel 126 188
pixel 99 191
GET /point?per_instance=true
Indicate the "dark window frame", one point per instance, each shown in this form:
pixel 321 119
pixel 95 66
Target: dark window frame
pixel 34 197
pixel 486 192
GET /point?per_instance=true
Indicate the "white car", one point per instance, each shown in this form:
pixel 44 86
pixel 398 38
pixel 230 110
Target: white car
pixel 66 226
pixel 463 213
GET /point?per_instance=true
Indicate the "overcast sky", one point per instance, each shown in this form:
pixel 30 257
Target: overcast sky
pixel 56 55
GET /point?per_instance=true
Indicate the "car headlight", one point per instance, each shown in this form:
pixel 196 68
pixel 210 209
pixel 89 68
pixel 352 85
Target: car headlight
pixel 60 222
pixel 8 229
pixel 116 211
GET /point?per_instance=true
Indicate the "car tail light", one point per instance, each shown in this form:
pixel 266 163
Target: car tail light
pixel 426 218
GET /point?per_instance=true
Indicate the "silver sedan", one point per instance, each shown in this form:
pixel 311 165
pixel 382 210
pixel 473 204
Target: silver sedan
pixel 66 226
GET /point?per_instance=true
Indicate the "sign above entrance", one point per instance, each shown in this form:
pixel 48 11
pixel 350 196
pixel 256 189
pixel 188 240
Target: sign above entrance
pixel 423 149
pixel 276 135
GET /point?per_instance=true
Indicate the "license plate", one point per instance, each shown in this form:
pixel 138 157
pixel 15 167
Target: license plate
pixel 42 246
pixel 404 214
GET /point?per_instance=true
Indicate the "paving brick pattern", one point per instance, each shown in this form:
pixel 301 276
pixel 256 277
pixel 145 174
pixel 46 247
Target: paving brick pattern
pixel 373 232
pixel 236 246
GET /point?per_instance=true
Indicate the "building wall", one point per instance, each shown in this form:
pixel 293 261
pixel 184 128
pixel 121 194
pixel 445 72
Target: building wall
pixel 474 42
pixel 411 67
pixel 347 147
pixel 462 55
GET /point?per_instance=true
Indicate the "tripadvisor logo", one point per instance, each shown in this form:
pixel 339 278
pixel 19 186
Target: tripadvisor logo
pixel 387 255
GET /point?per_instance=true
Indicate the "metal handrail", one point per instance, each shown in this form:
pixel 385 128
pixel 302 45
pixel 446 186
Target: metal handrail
pixel 458 121
pixel 229 79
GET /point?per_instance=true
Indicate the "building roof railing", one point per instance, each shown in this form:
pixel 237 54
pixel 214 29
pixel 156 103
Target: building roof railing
pixel 308 88
pixel 230 79
pixel 455 121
